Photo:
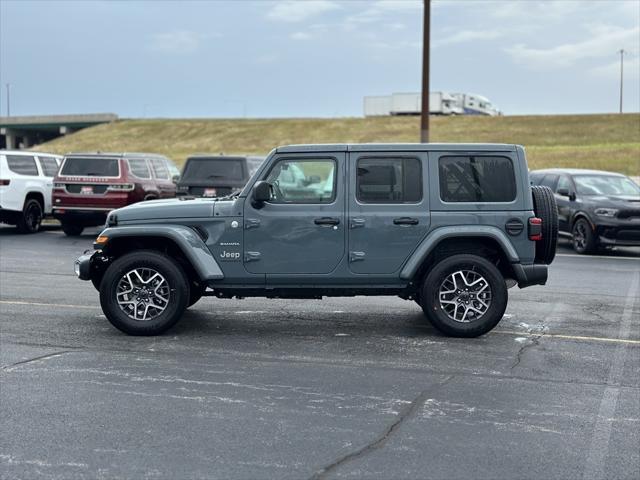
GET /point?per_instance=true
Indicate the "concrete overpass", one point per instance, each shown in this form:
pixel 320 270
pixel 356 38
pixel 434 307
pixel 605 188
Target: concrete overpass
pixel 26 131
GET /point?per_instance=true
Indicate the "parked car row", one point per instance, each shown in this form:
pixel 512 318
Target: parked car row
pixel 80 189
pixel 596 209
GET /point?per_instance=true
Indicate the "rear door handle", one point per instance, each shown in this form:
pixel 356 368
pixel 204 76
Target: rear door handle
pixel 405 221
pixel 327 221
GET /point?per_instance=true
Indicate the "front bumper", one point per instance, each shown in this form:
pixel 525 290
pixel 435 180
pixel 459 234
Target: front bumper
pixel 82 266
pixel 619 235
pixel 532 274
pixel 91 265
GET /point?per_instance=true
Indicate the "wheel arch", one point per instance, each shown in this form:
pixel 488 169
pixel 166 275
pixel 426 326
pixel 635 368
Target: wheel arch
pixel 487 242
pixel 581 214
pixel 182 243
pixel 36 195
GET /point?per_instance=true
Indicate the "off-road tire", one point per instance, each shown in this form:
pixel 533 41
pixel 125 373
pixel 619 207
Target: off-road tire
pixel 431 296
pixel 582 237
pixel 178 292
pixel 545 207
pixel 71 229
pixel 31 217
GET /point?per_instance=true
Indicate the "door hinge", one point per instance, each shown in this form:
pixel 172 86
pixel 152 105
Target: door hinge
pixel 251 256
pixel 356 223
pixel 251 223
pixel 356 256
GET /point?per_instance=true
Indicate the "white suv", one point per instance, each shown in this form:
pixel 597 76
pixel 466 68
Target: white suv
pixel 26 180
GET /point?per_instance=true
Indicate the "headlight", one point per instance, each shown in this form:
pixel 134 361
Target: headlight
pixel 606 212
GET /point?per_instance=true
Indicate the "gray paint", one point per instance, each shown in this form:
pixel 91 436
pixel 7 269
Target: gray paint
pixel 187 240
pixel 279 245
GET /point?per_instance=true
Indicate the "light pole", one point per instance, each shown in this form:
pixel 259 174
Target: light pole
pixel 621 52
pixel 424 120
pixel 8 85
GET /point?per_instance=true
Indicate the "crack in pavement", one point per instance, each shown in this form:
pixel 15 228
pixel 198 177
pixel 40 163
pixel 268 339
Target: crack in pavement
pixel 379 441
pixel 534 341
pixel 35 359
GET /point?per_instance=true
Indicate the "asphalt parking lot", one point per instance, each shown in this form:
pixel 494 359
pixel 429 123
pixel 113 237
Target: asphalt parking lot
pixel 340 388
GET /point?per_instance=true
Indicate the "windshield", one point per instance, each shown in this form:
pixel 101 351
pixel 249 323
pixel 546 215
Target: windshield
pixel 605 185
pixel 91 167
pixel 213 169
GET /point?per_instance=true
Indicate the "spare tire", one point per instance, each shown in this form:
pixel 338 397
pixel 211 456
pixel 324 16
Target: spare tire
pixel 544 206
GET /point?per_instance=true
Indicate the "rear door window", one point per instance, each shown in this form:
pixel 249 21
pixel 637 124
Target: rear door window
pixel 49 166
pixel 90 167
pixel 139 168
pixel 160 169
pixel 213 169
pixel 389 180
pixel 22 165
pixel 476 178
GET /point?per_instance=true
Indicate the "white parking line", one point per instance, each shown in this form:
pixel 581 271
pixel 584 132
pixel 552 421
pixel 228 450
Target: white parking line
pixel 596 459
pixel 608 257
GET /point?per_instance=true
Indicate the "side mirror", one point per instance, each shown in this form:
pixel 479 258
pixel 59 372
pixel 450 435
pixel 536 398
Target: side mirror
pixel 261 193
pixel 175 178
pixel 564 192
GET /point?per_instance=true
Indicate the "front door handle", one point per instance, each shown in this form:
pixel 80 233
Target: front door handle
pixel 405 221
pixel 327 221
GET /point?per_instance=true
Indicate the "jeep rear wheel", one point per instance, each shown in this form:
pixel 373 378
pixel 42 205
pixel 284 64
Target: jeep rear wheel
pixel 545 207
pixel 144 293
pixel 31 217
pixel 464 296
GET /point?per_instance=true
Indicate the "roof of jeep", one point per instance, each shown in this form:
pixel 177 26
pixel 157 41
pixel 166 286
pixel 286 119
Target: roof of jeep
pixel 577 171
pixel 409 147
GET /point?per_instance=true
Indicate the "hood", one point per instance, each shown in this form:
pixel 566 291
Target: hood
pixel 166 209
pixel 614 201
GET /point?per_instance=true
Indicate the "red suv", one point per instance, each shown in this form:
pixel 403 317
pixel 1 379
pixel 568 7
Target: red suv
pixel 89 185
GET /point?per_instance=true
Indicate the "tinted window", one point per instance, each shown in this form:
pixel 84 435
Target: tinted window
pixel 254 164
pixel 303 181
pixel 139 168
pixel 549 181
pixel 90 167
pixel 476 179
pixel 389 180
pixel 22 164
pixel 213 169
pixel 605 185
pixel 160 169
pixel 564 182
pixel 49 166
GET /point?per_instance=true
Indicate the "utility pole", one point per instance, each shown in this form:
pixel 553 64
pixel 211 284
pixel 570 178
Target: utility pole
pixel 8 85
pixel 424 122
pixel 621 52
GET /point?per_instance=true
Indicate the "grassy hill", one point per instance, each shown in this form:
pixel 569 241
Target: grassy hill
pixel 608 142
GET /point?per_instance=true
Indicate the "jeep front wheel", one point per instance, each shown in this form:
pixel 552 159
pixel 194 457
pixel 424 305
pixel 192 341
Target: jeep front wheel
pixel 144 293
pixel 464 296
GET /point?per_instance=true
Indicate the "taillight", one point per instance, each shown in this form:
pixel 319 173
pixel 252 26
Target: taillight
pixel 4 183
pixel 535 229
pixel 122 187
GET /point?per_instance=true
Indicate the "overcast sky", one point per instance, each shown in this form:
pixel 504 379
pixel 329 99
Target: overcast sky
pixel 311 58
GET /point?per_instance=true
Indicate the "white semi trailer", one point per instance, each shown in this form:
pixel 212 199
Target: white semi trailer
pixel 440 103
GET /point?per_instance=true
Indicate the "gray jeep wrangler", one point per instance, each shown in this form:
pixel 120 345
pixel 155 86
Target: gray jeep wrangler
pixel 450 226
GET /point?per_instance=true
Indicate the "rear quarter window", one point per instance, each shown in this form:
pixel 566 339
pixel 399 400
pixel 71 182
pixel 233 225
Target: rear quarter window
pixel 49 166
pixel 22 165
pixel 476 178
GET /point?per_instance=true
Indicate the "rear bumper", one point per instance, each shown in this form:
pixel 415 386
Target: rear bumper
pixel 532 274
pixel 81 216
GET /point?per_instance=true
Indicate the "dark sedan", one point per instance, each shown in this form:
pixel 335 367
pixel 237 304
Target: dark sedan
pixel 596 209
